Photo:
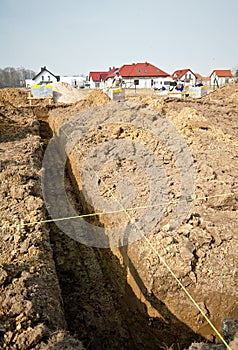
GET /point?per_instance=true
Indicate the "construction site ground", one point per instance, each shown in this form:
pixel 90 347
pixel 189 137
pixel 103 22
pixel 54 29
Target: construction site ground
pixel 57 293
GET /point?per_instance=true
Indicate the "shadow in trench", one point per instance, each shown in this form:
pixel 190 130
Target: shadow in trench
pixel 176 329
pixel 100 306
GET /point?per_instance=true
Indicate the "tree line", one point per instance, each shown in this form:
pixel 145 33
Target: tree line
pixel 15 77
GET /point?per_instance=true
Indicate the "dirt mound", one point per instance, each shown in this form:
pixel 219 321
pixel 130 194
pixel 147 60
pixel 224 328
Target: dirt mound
pixel 224 94
pixel 66 93
pixel 208 236
pixel 64 113
pixel 13 97
pixel 152 102
pixel 95 98
pixel 120 298
pixel 31 312
pixel 219 108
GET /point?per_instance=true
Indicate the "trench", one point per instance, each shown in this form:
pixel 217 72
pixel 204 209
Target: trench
pixel 101 307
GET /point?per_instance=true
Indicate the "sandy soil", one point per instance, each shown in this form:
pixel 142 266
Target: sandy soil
pixel 53 288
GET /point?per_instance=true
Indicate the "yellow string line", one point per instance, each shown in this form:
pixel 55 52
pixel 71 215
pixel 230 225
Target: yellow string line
pixel 114 211
pixel 175 277
pixel 163 261
pixel 154 249
pixel 188 294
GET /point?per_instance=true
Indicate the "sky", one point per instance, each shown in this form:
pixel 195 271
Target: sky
pixel 73 37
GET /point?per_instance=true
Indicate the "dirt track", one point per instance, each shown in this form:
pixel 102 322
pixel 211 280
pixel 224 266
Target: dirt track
pixel 124 298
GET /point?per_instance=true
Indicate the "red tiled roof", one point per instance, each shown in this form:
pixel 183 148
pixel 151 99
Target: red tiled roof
pixel 222 72
pixel 141 70
pixel 178 74
pixel 131 70
pixel 97 76
pixel 201 77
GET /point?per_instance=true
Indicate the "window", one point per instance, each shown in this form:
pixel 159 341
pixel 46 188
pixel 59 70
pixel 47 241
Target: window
pixel 145 70
pixel 42 77
pixel 97 85
pixel 136 82
pixel 48 78
pixel 139 70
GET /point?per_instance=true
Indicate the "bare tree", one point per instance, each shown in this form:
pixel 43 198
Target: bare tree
pixel 14 77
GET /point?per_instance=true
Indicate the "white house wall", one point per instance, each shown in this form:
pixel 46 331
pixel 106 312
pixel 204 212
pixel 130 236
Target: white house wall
pixel 222 80
pixel 44 76
pixel 159 82
pixel 29 83
pixel 73 80
pixel 96 84
pixel 215 80
pixel 144 82
pixel 187 76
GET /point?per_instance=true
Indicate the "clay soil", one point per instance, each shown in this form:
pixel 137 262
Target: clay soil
pixel 57 293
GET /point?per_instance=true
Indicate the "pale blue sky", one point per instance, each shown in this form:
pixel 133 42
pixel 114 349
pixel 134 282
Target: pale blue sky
pixel 75 36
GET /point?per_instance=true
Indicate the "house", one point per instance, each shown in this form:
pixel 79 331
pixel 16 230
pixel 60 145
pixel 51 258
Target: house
pixel 140 75
pixel 203 80
pixel 96 79
pixel 185 76
pixel 76 81
pixel 45 77
pixel 221 77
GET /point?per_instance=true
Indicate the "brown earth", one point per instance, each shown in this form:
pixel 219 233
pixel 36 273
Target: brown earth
pixel 65 93
pixel 56 292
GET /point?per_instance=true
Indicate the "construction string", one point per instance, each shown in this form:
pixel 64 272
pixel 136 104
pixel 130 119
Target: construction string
pixel 126 211
pixel 114 211
pixel 162 260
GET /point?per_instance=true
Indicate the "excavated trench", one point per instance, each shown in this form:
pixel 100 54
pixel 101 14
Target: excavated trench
pixel 101 308
pixel 118 298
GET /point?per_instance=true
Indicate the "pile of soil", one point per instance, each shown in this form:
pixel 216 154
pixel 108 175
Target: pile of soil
pixel 12 98
pixel 65 112
pixel 31 311
pixel 95 98
pixel 209 126
pixel 208 236
pixel 66 93
pixel 56 292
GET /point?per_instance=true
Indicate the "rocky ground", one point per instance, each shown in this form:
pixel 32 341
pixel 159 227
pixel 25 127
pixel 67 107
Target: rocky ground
pixel 56 291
